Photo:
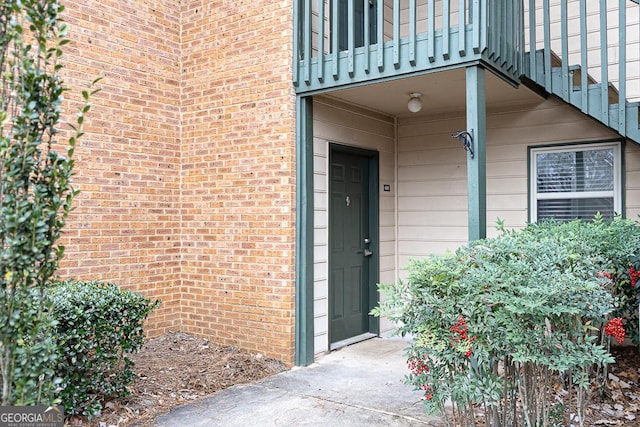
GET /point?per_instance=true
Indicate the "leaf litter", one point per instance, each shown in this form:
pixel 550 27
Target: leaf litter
pixel 177 368
pixel 619 403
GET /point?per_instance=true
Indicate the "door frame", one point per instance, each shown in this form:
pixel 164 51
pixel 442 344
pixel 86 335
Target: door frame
pixel 374 228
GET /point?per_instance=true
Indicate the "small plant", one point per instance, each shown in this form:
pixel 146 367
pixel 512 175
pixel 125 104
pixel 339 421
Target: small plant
pixel 500 323
pixel 98 324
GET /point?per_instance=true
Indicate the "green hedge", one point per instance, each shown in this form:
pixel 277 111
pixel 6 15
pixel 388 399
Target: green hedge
pixel 98 324
pixel 496 321
pixel 614 246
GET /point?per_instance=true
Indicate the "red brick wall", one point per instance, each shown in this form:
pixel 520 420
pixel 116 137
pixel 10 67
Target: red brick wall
pixel 187 170
pixel 238 174
pixel 126 225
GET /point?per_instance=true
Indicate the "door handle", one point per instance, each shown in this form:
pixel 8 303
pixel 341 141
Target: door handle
pixel 367 252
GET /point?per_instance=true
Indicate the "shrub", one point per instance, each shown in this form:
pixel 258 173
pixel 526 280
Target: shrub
pixel 616 243
pixel 31 379
pixel 98 325
pixel 495 322
pixel 35 191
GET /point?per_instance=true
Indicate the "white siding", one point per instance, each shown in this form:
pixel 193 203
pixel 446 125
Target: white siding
pixel 347 125
pixel 432 187
pixel 632 180
pixel 421 16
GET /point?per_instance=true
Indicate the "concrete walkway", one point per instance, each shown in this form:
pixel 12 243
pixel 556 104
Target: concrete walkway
pixel 359 385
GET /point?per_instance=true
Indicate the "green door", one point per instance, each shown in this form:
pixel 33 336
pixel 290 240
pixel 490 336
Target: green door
pixel 350 243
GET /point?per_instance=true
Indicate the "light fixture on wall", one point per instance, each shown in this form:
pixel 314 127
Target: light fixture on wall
pixel 415 102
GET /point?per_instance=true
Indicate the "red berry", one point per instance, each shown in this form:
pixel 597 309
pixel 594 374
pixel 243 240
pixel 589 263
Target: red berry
pixel 613 328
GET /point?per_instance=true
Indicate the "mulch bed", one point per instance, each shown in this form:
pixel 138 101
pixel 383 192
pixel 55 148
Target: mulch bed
pixel 177 368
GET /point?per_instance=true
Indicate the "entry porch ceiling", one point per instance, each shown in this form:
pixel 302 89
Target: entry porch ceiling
pixel 442 92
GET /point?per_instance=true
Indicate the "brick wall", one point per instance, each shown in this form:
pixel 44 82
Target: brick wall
pixel 238 170
pixel 188 165
pixel 125 227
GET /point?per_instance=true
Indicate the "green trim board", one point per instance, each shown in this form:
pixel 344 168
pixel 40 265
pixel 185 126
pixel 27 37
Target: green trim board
pixel 477 163
pixel 304 330
pixel 623 179
pixel 374 220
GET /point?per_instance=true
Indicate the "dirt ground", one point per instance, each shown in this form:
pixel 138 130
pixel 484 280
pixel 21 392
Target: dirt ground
pixel 619 404
pixel 177 368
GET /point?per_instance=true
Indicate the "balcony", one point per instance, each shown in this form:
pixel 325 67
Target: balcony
pixel 585 52
pixel 342 42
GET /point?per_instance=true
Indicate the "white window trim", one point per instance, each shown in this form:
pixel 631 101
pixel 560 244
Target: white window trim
pixel 534 196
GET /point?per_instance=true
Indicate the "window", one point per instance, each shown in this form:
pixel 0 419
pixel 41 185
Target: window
pixel 575 181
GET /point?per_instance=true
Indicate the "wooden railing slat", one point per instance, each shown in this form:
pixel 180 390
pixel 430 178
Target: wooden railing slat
pixel 296 44
pixel 380 38
pixel 396 33
pixel 412 32
pixel 367 35
pixel 307 43
pixel 622 67
pixel 584 58
pixel 462 18
pixel 495 28
pixel 604 63
pixel 484 25
pixel 511 39
pixel 431 30
pixel 521 47
pixel 351 37
pixel 334 40
pixel 547 44
pixel 446 25
pixel 320 63
pixel 564 37
pixel 504 31
pixel 476 22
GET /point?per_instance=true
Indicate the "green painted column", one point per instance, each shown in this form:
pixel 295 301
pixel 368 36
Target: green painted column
pixel 477 165
pixel 304 232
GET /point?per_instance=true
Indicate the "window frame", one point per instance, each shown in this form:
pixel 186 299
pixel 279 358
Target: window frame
pixel 618 167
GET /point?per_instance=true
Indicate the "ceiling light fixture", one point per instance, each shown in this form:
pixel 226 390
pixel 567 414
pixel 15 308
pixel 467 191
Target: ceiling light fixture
pixel 415 102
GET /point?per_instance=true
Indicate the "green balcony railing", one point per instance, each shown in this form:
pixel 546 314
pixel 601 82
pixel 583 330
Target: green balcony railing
pixel 339 42
pixel 587 52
